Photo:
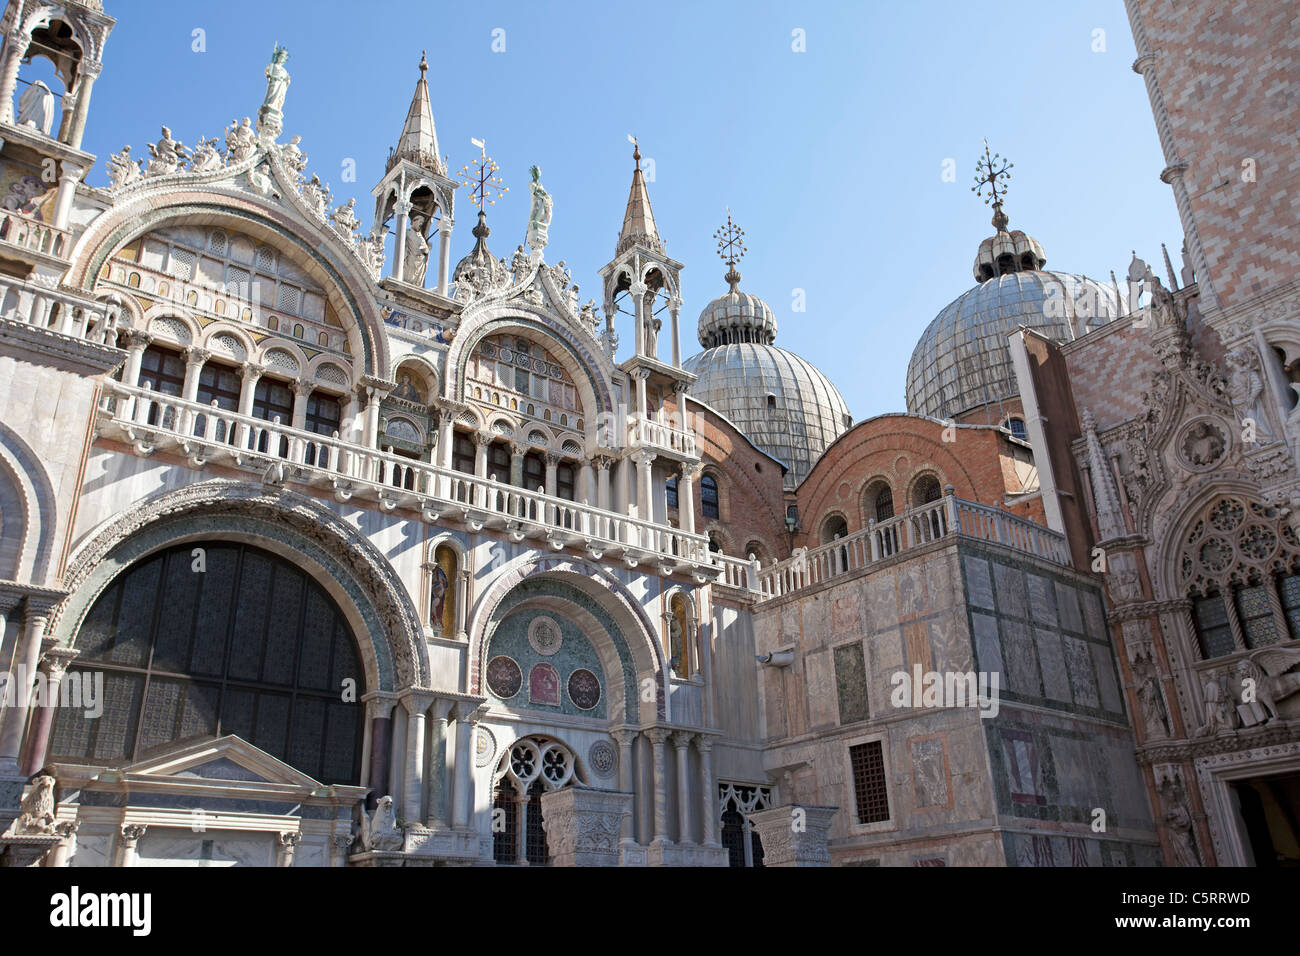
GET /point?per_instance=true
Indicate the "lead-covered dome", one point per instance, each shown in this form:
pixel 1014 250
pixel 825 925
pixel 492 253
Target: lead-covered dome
pixel 781 401
pixel 962 360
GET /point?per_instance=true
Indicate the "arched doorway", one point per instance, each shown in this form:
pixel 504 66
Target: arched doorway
pixel 210 638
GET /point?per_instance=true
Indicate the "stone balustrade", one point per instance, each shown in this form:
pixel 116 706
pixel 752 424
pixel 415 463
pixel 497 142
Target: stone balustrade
pixel 59 310
pixel 206 433
pixel 31 235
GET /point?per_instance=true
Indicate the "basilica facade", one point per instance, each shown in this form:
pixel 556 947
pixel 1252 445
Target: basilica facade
pixel 339 544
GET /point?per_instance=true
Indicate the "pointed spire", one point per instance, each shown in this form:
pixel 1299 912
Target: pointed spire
pixel 639 220
pixel 419 139
pixel 1105 495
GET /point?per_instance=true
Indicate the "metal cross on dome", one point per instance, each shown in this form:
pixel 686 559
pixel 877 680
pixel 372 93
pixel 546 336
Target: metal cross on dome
pixel 479 175
pixel 730 247
pixel 989 173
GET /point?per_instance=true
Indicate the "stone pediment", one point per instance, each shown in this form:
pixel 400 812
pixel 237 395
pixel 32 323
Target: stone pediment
pixel 229 760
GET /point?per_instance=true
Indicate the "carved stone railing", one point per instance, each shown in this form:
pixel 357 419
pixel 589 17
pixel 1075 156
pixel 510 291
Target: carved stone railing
pixel 49 307
pixel 948 517
pixel 206 433
pixel 660 436
pixel 24 232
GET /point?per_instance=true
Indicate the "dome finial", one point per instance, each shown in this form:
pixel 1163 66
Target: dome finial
pixel 731 249
pixel 424 63
pixel 989 173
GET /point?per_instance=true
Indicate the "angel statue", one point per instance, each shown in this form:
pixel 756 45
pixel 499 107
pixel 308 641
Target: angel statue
pixel 539 216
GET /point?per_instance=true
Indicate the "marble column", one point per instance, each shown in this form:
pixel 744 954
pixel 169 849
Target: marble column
pixel 674 307
pixel 446 438
pixel 437 815
pixel 136 342
pixel 88 69
pixel 708 792
pixel 552 464
pixel 644 486
pixel 602 464
pixel 129 843
pixel 286 845
pixel 13 717
pixel 53 665
pixel 67 848
pixel 444 253
pixel 16 42
pixel 195 358
pixel 625 739
pixel 517 452
pixel 413 790
pixel 682 744
pixel 637 291
pixel 370 431
pixel 481 442
pixel 70 175
pixel 302 390
pixel 380 744
pixel 686 499
pixel 466 717
pixel 403 210
pixel 657 737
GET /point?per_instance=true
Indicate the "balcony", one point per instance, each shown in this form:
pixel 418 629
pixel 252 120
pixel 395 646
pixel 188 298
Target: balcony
pixel 948 518
pixel 661 438
pixel 33 241
pixel 201 433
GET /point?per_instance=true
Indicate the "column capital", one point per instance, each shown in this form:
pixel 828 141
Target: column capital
pixel 704 744
pixel 625 737
pixel 602 462
pixel 520 448
pixel 196 356
pixel 137 338
pixel 56 660
pixel 289 838
pixel 470 712
pixel 553 458
pixel 342 841
pixel 402 207
pixel 641 373
pixel 682 738
pixel 251 371
pixel 380 704
pixel 657 735
pixel 445 224
pixel 303 387
pixel 131 833
pixel 690 471
pixel 90 68
pixel 484 437
pixel 417 701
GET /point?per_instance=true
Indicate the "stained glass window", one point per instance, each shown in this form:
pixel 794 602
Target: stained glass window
pixel 248 645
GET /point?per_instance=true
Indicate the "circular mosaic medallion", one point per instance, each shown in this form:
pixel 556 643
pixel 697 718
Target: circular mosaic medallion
pixel 584 689
pixel 504 678
pixel 485 747
pixel 602 758
pixel 544 635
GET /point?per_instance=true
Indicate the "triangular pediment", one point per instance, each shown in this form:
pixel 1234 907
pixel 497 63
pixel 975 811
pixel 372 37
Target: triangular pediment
pixel 228 758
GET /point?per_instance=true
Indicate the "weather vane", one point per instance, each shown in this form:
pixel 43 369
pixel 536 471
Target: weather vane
pixel 730 247
pixel 484 186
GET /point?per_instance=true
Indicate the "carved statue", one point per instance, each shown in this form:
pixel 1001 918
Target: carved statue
pixel 417 252
pixel 1150 698
pixel 1178 820
pixel 380 832
pixel 1270 669
pixel 519 264
pixel 1246 388
pixel 205 157
pixel 168 155
pixel 539 216
pixel 277 81
pixel 1220 714
pixel 36 108
pixel 589 317
pixel 372 254
pixel 317 195
pixel 122 170
pixel 294 158
pixel 260 182
pixel 345 218
pixel 241 142
pixel 37 817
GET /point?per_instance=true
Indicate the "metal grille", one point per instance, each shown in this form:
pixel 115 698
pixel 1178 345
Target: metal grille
pixel 1212 626
pixel 536 850
pixel 505 824
pixel 869 785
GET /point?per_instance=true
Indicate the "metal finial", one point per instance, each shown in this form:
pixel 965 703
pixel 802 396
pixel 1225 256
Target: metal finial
pixel 731 249
pixel 424 64
pixel 485 187
pixel 992 171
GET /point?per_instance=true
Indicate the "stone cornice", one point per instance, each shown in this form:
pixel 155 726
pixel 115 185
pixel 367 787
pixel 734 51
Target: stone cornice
pixel 88 358
pixel 1172 751
pixel 1146 609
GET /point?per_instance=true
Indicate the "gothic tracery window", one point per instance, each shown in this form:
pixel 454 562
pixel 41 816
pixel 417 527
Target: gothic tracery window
pixel 530 767
pixel 1239 565
pixel 735 803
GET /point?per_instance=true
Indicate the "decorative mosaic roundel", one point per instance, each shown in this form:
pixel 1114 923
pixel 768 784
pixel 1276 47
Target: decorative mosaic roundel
pixel 602 758
pixel 504 678
pixel 544 635
pixel 485 747
pixel 584 689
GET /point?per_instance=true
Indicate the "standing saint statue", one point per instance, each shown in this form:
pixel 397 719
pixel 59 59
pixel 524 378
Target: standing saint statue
pixel 270 116
pixel 539 216
pixel 36 108
pixel 417 252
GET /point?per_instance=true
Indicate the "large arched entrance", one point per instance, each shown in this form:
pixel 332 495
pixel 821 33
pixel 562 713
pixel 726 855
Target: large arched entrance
pixel 211 638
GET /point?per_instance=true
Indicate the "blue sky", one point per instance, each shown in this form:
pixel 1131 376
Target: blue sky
pixel 830 159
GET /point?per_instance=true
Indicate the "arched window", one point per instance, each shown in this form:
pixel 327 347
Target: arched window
pixel 250 645
pixel 532 766
pixel 883 503
pixel 709 496
pixel 442 592
pixel 1017 428
pixel 736 802
pixel 925 491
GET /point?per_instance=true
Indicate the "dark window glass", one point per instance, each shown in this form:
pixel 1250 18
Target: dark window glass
pixel 499 461
pixel 221 384
pixel 1289 588
pixel 324 415
pixel 564 484
pixel 709 496
pixel 1212 626
pixel 1017 427
pixel 884 504
pixel 462 453
pixel 926 490
pixel 869 790
pixel 534 471
pixel 234 649
pixel 671 490
pixel 271 400
pixel 1255 612
pixel 163 370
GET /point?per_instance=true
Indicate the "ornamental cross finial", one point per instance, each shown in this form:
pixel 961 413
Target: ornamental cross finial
pixel 992 171
pixel 484 186
pixel 730 247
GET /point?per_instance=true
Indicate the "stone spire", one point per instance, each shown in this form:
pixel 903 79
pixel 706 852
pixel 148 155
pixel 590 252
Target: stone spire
pixel 639 220
pixel 419 140
pixel 1110 521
